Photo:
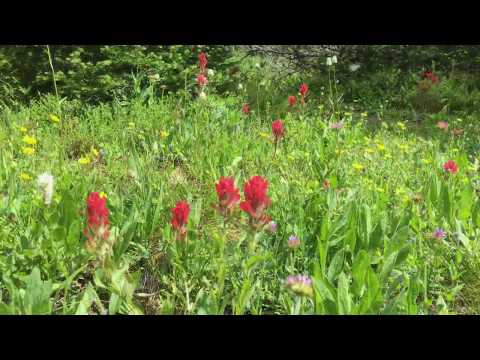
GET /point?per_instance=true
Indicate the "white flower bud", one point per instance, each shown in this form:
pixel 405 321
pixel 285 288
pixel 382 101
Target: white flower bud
pixel 334 59
pixel 45 186
pixel 329 61
pixel 240 86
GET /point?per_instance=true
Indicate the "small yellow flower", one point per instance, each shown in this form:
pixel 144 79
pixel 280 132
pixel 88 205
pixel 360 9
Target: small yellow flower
pixel 163 134
pixel 95 152
pixel 23 129
pixel 405 198
pixel 403 147
pixel 54 118
pixel 358 167
pixel 401 125
pixel 30 140
pixel 84 161
pixel 381 147
pixel 29 151
pixel 264 134
pixel 131 124
pixel 103 195
pixel 25 177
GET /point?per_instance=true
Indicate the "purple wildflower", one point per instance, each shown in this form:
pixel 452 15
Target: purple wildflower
pixel 300 285
pixel 337 126
pixel 293 242
pixel 439 234
pixel 272 227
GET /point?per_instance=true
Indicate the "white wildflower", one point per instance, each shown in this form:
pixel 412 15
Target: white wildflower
pixel 354 67
pixel 45 186
pixel 202 95
pixel 334 59
pixel 329 61
pixel 240 86
pixel 210 72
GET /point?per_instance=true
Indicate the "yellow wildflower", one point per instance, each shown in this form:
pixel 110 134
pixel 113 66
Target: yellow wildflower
pixel 403 147
pixel 25 177
pixel 103 195
pixel 264 134
pixel 28 151
pixel 358 167
pixel 95 152
pixel 163 134
pixel 54 118
pixel 30 140
pixel 23 129
pixel 84 161
pixel 401 125
pixel 381 147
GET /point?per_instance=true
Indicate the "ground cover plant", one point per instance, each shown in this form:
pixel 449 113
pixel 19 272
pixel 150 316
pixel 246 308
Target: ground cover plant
pixel 276 197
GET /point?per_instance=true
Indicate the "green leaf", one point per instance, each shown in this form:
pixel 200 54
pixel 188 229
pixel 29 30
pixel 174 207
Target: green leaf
pixel 388 266
pixel 344 300
pixel 89 296
pixel 37 295
pixel 336 266
pixel 359 272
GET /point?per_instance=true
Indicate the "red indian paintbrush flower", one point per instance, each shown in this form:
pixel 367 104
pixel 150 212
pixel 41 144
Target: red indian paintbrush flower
pixel 278 129
pixel 202 62
pixel 256 201
pixel 202 80
pixel 303 91
pixel 228 195
pixel 180 218
pixel 292 100
pixel 97 221
pixel 451 167
pixel 430 76
pixel 246 109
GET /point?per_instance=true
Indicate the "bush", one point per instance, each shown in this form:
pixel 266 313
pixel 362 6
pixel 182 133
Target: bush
pixel 103 73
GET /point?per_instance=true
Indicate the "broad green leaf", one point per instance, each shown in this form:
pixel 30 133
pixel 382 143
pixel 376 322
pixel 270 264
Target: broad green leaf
pixel 336 266
pixel 344 300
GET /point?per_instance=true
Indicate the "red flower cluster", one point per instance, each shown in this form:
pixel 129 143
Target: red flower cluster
pixel 303 91
pixel 228 195
pixel 451 167
pixel 97 221
pixel 180 219
pixel 202 80
pixel 292 100
pixel 278 129
pixel 429 75
pixel 246 109
pixel 202 62
pixel 256 201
